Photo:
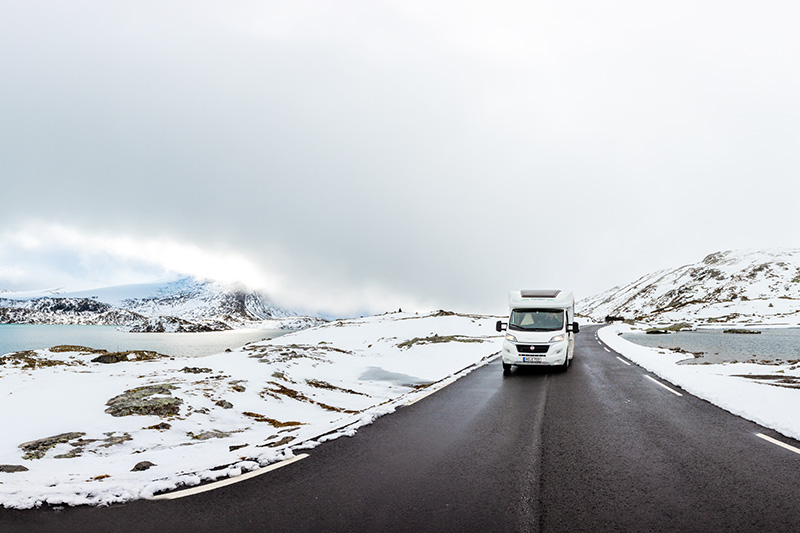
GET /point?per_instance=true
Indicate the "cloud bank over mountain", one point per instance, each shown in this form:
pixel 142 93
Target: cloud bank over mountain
pixel 401 153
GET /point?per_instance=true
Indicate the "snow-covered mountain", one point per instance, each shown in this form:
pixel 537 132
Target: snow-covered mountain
pixel 48 310
pixel 185 304
pixel 725 287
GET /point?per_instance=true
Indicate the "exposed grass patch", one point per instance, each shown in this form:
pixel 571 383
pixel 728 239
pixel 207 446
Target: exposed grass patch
pixel 437 339
pixel 680 326
pixel 681 350
pixel 206 435
pixel 276 390
pixel 121 357
pixel 761 376
pixel 285 440
pixel 271 421
pixel 29 359
pixel 319 384
pixel 308 347
pixel 36 449
pixel 442 312
pixel 280 374
pixel 725 318
pixel 789 382
pixel 197 370
pixel 282 354
pixel 61 348
pixel 162 426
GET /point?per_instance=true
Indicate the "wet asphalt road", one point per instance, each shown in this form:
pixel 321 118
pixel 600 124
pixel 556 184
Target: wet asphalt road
pixel 598 448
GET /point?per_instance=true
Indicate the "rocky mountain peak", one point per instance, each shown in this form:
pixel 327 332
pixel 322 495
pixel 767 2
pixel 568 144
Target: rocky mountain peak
pixel 184 304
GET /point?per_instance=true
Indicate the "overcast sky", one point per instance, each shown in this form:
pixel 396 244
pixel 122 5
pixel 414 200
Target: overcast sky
pixel 368 155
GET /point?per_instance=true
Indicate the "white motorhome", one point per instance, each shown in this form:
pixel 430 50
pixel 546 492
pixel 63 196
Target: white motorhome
pixel 540 329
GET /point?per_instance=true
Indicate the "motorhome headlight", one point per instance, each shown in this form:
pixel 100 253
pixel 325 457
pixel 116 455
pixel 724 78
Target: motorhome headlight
pixel 510 337
pixel 557 338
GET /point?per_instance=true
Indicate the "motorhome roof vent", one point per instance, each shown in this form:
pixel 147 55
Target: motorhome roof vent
pixel 539 294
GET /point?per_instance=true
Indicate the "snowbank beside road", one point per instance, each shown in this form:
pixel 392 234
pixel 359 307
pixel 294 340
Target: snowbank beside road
pixel 80 431
pixel 767 394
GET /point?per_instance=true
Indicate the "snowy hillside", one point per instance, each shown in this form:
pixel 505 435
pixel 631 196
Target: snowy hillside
pixel 185 304
pixel 726 287
pixel 64 311
pixel 87 426
pixel 193 299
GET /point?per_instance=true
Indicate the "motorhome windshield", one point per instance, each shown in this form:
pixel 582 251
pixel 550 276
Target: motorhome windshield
pixel 536 320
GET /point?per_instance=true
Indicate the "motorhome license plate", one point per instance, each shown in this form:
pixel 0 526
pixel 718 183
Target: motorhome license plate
pixel 531 360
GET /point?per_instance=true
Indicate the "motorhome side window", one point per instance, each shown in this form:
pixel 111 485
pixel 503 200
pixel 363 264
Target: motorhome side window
pixel 536 319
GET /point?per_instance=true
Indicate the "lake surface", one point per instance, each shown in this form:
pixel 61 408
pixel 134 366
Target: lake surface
pixel 771 344
pixel 16 337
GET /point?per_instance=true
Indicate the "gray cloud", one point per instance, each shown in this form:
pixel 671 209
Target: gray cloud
pixel 441 151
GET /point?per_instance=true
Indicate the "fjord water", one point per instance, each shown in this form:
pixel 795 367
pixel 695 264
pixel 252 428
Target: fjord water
pixel 772 344
pixel 16 337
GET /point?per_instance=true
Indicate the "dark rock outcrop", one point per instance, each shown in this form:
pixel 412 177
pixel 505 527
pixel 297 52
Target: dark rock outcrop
pixel 10 469
pixel 149 400
pixel 36 449
pixel 142 466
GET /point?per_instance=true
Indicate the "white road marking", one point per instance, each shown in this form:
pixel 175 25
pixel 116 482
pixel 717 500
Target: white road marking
pixel 676 393
pixel 229 481
pixel 423 396
pixel 624 361
pixel 437 387
pixel 779 443
pixel 606 349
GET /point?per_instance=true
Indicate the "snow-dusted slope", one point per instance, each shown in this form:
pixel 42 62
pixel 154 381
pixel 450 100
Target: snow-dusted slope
pixel 730 287
pixel 193 299
pixel 185 304
pixel 82 426
pixel 64 311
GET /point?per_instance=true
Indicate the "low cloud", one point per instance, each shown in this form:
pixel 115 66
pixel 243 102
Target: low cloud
pixel 371 155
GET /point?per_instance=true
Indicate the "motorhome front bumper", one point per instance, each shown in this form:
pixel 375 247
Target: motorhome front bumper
pixel 534 353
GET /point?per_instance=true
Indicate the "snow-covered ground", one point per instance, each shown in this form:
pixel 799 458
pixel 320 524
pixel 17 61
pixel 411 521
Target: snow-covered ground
pixel 76 431
pixel 768 394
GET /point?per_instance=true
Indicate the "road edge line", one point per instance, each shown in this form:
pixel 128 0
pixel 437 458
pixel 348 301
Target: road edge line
pixel 676 393
pixel 227 481
pixel 778 443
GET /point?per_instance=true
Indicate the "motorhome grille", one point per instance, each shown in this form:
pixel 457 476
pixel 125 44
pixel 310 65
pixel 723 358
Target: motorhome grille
pixel 533 348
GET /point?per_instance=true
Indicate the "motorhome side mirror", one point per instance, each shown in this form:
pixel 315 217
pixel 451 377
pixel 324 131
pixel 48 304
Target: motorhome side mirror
pixel 500 326
pixel 575 328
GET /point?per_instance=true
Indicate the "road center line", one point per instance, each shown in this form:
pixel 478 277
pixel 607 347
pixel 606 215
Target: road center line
pixel 624 361
pixel 779 443
pixel 228 481
pixel 676 393
pixel 606 349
